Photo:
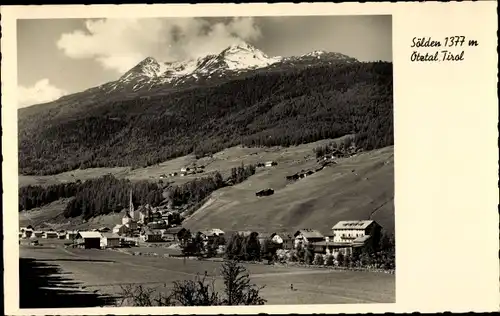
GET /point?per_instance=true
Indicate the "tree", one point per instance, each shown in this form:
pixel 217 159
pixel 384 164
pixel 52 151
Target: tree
pixel 199 292
pixel 309 254
pixel 318 260
pixel 340 259
pixel 300 253
pixel 195 292
pixel 329 260
pixel 238 289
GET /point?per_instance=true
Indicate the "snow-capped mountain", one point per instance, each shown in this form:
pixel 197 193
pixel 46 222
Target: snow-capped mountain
pixel 234 60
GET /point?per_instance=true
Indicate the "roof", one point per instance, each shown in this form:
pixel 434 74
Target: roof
pixel 174 230
pixel 211 232
pixel 361 239
pixel 266 235
pixel 309 233
pixel 363 224
pixel 332 244
pixel 110 236
pixel 90 234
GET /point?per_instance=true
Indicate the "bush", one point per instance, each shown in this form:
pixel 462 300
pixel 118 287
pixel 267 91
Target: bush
pixel 329 260
pixel 199 292
pixel 318 260
pixel 340 259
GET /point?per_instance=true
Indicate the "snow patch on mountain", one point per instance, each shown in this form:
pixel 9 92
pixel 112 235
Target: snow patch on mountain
pixel 234 59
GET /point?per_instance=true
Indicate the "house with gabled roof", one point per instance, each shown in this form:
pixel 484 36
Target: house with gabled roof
pixel 354 230
pixel 89 240
pixel 307 236
pixel 110 240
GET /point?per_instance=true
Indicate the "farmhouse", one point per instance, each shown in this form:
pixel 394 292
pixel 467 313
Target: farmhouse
pixel 37 234
pixel 71 234
pixel 174 233
pixel 157 225
pixel 110 240
pixel 50 235
pixel 27 233
pixel 185 169
pixel 211 233
pixel 354 231
pixel 89 240
pixel 271 163
pixel 265 192
pixel 120 230
pixel 150 235
pixel 307 236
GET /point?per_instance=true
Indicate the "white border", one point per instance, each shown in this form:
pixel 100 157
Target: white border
pixel 446 154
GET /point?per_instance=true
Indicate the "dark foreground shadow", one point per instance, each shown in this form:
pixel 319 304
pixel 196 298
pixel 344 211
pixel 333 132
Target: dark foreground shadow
pixel 43 285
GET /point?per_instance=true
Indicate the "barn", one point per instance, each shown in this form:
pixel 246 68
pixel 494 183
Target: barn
pixel 89 240
pixel 110 240
pixel 265 192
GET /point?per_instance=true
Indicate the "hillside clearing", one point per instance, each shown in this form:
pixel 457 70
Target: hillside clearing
pixel 222 161
pixel 351 189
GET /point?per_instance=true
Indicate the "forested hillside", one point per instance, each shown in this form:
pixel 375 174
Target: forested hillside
pixel 107 194
pixel 276 108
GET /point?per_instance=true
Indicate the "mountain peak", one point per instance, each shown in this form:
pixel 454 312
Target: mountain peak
pixel 239 47
pixel 148 67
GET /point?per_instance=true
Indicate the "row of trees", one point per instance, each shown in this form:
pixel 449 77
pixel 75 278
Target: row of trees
pixel 378 252
pixel 241 173
pixel 275 108
pixel 347 145
pixel 108 194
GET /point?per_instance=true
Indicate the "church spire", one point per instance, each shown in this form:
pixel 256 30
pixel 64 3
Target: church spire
pixel 131 205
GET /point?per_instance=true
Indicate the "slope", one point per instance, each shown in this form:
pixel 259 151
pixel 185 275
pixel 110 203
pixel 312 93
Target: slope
pixel 268 109
pixel 352 189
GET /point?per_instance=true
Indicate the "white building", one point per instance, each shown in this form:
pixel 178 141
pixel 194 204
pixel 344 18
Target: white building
pixel 71 234
pixel 270 163
pixel 27 232
pixel 351 231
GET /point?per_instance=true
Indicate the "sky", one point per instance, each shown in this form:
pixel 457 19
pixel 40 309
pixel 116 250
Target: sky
pixel 63 56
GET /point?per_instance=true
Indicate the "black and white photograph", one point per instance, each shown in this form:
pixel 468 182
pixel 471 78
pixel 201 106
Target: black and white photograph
pixel 205 161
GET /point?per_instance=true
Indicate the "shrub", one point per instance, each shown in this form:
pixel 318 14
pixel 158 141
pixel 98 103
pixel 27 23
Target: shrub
pixel 199 292
pixel 318 260
pixel 329 260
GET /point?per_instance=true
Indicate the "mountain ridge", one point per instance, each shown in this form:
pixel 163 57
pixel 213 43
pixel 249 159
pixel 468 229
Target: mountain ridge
pixel 233 60
pixel 284 106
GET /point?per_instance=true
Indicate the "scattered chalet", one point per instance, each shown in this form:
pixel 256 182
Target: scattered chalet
pixel 50 235
pixel 120 230
pixel 110 240
pixel 71 234
pixel 174 233
pixel 89 240
pixel 210 234
pixel 307 236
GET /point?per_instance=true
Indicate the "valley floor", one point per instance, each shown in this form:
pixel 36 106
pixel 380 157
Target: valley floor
pixel 103 272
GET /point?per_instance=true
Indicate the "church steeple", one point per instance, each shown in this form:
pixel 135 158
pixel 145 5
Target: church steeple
pixel 131 206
